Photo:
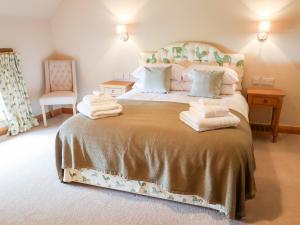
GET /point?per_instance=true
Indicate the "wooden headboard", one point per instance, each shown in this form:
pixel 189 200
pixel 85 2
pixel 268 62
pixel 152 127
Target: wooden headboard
pixel 3 50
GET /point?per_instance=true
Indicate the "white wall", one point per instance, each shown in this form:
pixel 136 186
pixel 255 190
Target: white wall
pixel 85 29
pixel 32 40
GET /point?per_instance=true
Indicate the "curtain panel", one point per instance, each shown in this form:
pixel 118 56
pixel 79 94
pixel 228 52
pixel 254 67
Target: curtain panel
pixel 3 119
pixel 17 108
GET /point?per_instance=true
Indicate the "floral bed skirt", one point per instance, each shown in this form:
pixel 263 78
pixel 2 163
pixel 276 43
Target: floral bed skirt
pixel 96 178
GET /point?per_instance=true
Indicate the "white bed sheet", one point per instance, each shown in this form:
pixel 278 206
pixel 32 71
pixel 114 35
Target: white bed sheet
pixel 236 101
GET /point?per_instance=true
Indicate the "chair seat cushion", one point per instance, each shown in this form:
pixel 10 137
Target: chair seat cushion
pixel 58 98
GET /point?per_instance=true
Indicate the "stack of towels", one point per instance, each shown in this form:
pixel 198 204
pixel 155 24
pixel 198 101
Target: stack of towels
pixel 99 106
pixel 208 114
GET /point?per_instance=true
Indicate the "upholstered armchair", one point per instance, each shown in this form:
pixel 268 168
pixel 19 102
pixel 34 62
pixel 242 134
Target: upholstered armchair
pixel 61 89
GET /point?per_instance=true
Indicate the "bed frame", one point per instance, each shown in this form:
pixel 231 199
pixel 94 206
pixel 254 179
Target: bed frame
pixel 6 50
pixel 184 53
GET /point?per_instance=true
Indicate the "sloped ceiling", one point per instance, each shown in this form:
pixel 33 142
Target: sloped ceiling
pixel 28 8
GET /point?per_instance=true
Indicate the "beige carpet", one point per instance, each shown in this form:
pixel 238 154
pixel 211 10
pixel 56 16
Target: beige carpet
pixel 30 192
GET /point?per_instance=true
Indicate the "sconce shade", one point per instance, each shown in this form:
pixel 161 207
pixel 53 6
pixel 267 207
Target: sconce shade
pixel 264 26
pixel 121 29
pixel 263 30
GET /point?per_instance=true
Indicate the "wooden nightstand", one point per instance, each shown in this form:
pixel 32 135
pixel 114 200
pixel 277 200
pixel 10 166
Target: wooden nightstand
pixel 116 88
pixel 267 97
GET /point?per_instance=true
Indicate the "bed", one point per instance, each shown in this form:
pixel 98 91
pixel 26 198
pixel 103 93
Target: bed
pixel 149 151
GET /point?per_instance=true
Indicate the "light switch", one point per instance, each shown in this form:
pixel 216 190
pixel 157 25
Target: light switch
pixel 267 81
pixel 256 80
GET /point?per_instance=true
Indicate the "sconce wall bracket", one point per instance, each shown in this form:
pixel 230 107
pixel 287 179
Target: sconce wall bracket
pixel 262 36
pixel 124 37
pixel 263 30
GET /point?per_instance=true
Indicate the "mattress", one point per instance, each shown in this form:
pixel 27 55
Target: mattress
pixel 97 178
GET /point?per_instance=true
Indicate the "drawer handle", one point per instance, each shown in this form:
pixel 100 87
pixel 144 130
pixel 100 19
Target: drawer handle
pixel 265 101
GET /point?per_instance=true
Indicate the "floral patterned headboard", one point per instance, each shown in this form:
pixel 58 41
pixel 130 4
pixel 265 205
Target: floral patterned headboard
pixel 186 53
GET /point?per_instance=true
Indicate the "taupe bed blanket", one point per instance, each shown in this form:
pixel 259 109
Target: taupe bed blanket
pixel 149 143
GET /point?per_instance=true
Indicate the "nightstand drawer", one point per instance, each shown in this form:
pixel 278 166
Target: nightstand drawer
pixel 264 101
pixel 115 92
pixel 116 88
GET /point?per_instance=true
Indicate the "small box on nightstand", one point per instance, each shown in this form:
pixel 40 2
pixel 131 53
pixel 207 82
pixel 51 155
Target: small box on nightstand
pixel 269 97
pixel 116 88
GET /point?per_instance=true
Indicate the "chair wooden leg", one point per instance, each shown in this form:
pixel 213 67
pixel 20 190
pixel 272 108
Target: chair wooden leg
pixel 44 115
pixel 51 111
pixel 74 109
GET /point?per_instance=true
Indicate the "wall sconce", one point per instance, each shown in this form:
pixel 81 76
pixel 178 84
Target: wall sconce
pixel 122 31
pixel 263 30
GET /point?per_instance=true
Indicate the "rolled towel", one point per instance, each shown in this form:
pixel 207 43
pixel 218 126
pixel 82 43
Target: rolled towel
pixel 209 111
pixel 203 124
pixel 101 99
pixel 84 109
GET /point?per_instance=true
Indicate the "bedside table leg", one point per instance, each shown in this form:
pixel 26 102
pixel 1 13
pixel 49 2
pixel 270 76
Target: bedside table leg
pixel 275 123
pixel 275 137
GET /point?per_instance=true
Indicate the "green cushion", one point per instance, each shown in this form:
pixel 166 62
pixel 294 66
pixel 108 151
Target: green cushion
pixel 157 79
pixel 206 84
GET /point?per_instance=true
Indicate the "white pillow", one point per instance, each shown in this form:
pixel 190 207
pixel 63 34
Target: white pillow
pixel 181 85
pixel 230 76
pixel 176 71
pixel 175 85
pixel 228 89
pixel 139 84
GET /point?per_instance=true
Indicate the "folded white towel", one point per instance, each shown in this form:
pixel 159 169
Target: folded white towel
pixel 209 111
pixel 203 124
pixel 85 110
pixel 97 93
pixel 94 109
pixel 208 101
pixel 101 99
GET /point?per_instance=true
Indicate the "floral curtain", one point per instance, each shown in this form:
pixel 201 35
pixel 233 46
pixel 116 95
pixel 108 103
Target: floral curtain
pixel 17 108
pixel 3 119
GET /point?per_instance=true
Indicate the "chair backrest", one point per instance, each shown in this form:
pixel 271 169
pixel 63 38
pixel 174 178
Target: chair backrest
pixel 60 75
